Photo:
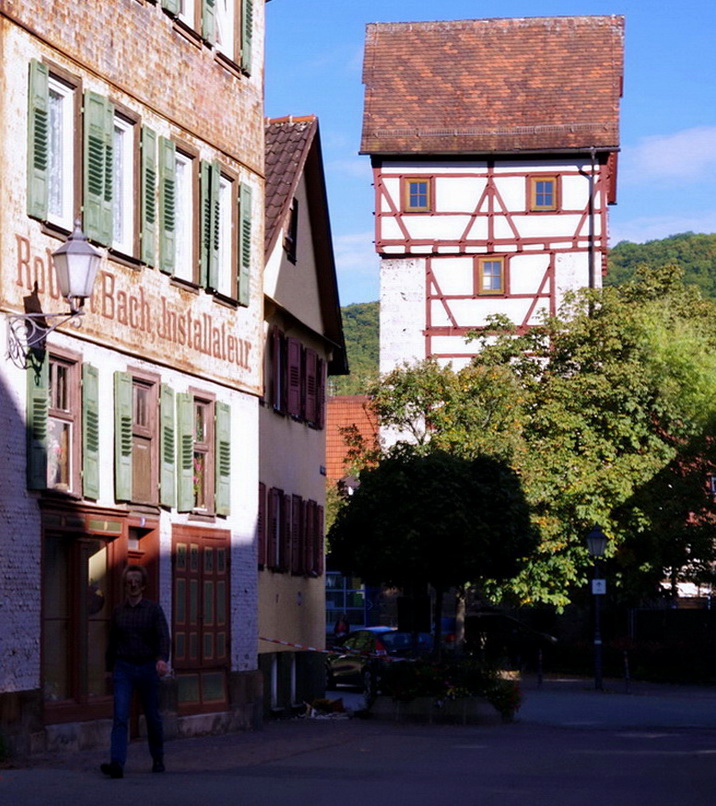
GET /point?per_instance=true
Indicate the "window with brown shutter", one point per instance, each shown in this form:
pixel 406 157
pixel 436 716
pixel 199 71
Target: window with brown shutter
pixel 261 526
pixel 294 377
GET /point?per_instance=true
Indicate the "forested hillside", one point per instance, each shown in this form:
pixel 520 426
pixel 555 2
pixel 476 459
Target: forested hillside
pixel 694 253
pixel 360 325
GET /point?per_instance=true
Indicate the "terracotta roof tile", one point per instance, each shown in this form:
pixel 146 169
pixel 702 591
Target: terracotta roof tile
pixel 343 411
pixel 287 144
pixel 495 85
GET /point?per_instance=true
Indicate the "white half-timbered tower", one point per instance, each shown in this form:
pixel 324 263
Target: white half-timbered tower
pixel 494 149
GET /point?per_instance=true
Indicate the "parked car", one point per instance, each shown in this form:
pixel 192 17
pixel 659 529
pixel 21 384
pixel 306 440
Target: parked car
pixel 360 656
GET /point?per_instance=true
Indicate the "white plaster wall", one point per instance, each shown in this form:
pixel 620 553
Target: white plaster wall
pixel 402 312
pixel 527 273
pixel 454 275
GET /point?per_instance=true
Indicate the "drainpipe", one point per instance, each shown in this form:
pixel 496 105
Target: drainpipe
pixel 593 155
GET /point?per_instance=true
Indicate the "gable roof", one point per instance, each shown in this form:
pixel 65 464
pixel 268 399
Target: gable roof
pixel 494 85
pixel 293 150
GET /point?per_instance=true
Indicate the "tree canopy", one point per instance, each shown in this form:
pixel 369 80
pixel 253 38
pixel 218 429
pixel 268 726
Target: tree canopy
pixel 433 518
pixel 588 410
pixel 694 253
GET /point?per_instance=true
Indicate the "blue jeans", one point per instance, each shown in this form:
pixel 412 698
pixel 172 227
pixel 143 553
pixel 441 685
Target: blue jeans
pixel 143 678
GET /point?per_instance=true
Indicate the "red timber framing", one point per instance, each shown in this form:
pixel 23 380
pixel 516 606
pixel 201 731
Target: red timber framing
pixel 584 237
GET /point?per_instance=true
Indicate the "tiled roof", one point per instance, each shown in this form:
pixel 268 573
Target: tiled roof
pixel 493 86
pixel 343 411
pixel 287 144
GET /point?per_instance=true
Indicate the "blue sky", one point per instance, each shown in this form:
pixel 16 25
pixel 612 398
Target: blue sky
pixel 667 168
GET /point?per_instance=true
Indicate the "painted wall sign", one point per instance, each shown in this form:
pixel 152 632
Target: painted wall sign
pixel 142 310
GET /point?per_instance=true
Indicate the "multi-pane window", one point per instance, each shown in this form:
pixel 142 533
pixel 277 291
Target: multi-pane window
pixel 123 151
pixel 226 27
pixel 204 433
pixel 62 425
pixel 543 192
pixel 417 195
pixel 490 275
pixel 203 454
pixel 60 165
pixel 184 217
pixel 52 125
pixel 226 273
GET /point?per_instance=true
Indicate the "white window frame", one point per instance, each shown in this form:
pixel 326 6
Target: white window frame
pixel 184 226
pixel 187 12
pixel 123 154
pixel 61 153
pixel 226 228
pixel 226 27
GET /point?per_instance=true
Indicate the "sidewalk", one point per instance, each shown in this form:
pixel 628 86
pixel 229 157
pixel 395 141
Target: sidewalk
pixel 574 702
pixel 559 701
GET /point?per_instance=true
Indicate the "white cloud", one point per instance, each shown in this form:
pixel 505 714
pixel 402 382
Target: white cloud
pixel 651 228
pixel 686 155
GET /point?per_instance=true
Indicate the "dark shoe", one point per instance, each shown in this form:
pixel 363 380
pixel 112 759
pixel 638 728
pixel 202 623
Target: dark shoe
pixel 113 769
pixel 158 766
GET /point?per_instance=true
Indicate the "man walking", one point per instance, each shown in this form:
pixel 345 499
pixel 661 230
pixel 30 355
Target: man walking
pixel 137 656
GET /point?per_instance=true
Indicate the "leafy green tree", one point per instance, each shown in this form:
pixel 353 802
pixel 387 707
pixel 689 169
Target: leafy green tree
pixel 360 327
pixel 694 253
pixel 433 518
pixel 587 409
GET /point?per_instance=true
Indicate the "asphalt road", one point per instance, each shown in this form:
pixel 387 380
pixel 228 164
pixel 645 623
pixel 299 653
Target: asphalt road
pixel 570 747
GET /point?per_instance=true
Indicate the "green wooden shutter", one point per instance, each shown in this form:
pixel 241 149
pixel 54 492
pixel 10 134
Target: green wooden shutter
pixel 222 463
pixel 98 133
pixel 38 143
pixel 244 279
pixel 167 204
pixel 208 20
pixel 90 431
pixel 209 224
pixel 247 28
pixel 149 198
pixel 38 383
pixel 122 436
pixel 167 448
pixel 185 449
pixel 173 6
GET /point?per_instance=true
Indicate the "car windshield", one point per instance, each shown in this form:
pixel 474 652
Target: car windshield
pixel 397 642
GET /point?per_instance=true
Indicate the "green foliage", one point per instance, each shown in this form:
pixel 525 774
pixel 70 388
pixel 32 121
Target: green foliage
pixel 360 327
pixel 695 254
pixel 588 410
pixel 450 680
pixel 433 519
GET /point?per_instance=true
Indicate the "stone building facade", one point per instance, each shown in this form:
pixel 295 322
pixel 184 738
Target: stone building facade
pixel 134 437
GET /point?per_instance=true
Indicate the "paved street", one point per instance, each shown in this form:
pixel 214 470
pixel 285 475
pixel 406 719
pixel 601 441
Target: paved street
pixel 571 746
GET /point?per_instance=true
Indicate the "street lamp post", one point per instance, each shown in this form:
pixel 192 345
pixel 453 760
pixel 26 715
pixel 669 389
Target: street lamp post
pixel 76 263
pixel 596 545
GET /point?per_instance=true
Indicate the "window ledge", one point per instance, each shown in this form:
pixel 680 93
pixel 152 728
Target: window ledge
pixel 201 516
pixel 188 285
pixel 229 64
pixel 185 30
pixel 222 299
pixel 124 260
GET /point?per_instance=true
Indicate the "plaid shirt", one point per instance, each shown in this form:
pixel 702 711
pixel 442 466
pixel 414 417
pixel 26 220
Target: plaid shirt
pixel 138 634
